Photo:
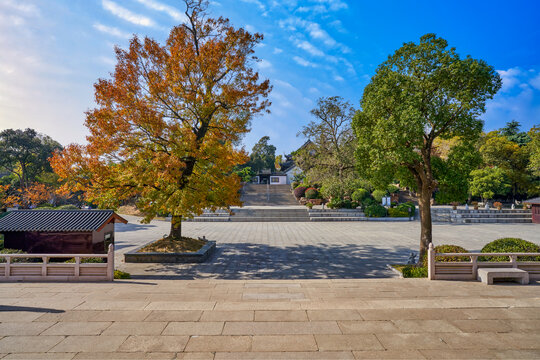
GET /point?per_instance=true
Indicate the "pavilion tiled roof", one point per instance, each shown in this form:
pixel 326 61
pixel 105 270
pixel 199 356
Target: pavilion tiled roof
pixel 57 220
pixel 535 200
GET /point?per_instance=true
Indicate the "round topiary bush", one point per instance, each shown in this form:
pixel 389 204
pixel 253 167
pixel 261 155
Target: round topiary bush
pixel 510 245
pixel 359 195
pixel 375 210
pixel 299 192
pixel 312 193
pixel 448 249
pixel 378 195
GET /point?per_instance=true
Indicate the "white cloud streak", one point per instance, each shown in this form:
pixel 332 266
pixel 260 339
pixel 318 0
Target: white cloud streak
pixel 169 10
pixel 303 62
pixel 126 14
pixel 109 30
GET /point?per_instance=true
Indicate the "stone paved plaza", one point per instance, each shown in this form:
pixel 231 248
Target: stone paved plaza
pixel 269 319
pixel 304 250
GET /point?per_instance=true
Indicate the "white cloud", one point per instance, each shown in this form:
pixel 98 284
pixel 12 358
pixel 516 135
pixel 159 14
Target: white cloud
pixel 257 3
pixel 304 45
pixel 314 30
pixel 278 51
pixel 535 82
pixel 28 9
pixel 264 64
pixel 111 31
pixel 126 14
pixel 338 78
pixel 509 78
pixel 169 10
pixel 304 62
pixel 250 28
pixel 334 5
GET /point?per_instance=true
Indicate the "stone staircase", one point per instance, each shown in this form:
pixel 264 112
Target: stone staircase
pixel 336 215
pixel 270 214
pixel 494 216
pixel 207 215
pixel 267 195
pixel 462 216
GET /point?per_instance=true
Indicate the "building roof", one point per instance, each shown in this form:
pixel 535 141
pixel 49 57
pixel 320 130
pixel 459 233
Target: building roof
pixel 535 200
pixel 58 220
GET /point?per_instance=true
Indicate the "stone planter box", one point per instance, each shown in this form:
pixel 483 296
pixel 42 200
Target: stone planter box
pixel 154 257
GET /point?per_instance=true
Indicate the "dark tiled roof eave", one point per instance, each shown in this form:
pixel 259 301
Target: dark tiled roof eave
pixel 535 200
pixel 57 220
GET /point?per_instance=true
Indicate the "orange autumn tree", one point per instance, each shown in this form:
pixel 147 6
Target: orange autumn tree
pixel 166 123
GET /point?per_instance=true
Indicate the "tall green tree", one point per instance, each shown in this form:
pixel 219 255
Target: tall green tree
pixel 422 92
pixel 512 132
pixel 329 158
pixel 534 148
pixel 489 182
pixel 25 153
pixel 263 155
pixel 452 171
pixel 499 151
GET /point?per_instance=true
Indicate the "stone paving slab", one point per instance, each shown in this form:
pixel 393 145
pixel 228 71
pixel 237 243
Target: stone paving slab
pixel 302 250
pixel 362 319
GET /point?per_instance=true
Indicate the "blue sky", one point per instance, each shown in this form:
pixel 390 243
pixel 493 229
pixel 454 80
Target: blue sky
pixel 52 51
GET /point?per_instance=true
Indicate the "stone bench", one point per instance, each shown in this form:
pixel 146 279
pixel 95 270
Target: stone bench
pixel 487 275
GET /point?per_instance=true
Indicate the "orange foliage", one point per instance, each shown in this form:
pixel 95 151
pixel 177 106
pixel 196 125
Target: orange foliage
pixel 32 196
pixel 166 123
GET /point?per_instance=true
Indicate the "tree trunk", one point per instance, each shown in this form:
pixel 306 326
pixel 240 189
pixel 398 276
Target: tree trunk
pixel 424 204
pixel 176 227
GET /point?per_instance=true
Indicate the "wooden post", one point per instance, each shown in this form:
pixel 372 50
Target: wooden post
pixel 110 263
pixel 474 260
pixel 431 262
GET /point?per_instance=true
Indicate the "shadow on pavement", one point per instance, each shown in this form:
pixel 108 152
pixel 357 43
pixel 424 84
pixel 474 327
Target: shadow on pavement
pixel 29 309
pixel 262 261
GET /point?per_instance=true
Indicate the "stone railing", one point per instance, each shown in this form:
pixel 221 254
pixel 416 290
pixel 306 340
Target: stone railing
pixel 468 270
pixel 11 270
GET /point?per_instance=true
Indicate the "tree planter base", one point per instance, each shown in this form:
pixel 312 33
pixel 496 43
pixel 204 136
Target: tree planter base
pixel 182 258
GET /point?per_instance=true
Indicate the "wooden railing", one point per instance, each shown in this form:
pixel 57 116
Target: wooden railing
pixel 468 270
pixel 11 270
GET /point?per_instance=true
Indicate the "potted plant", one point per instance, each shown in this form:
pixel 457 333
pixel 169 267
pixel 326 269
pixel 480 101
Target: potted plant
pixel 454 205
pixel 309 205
pixel 498 205
pixel 475 205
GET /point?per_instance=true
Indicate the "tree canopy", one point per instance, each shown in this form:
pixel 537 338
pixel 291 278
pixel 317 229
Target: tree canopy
pixel 420 93
pixel 164 128
pixel 263 155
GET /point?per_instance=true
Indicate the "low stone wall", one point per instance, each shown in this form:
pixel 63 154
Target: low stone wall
pixel 154 257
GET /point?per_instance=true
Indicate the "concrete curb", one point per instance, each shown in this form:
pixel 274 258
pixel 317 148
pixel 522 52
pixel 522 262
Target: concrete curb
pixel 154 257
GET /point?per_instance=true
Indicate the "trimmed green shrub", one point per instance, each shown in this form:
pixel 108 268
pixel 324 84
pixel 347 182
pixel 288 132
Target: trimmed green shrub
pixel 448 249
pixel 375 210
pixel 92 260
pixel 411 271
pixel 368 201
pixel 299 192
pixel 309 205
pixel 295 184
pixel 337 203
pixel 118 274
pixel 312 193
pixel 395 212
pixel 378 195
pixel 392 189
pixel 405 207
pixel 510 245
pixel 359 195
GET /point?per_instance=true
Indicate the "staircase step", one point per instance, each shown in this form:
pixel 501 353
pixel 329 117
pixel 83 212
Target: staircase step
pixel 498 220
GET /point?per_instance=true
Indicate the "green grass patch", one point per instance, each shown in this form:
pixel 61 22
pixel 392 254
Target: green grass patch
pixel 118 274
pixel 411 271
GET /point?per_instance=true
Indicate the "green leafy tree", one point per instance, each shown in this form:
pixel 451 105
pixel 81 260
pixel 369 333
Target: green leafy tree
pixel 534 149
pixel 452 171
pixel 512 132
pixel 498 151
pixel 245 173
pixel 489 182
pixel 263 155
pixel 24 154
pixel 422 92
